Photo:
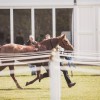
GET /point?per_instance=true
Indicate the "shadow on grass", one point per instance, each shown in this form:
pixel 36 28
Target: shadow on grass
pixel 20 89
pixel 32 88
pixel 85 75
pixel 16 75
pixel 7 89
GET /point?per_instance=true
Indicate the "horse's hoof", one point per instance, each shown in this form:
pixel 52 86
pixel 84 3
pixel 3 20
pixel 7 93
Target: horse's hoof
pixel 26 84
pixel 40 77
pixel 71 84
pixel 20 87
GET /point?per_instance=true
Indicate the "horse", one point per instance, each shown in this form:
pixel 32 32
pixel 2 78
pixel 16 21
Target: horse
pixel 16 48
pixel 50 44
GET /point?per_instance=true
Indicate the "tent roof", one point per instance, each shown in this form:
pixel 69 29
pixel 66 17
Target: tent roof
pixel 35 2
pixel 86 2
pixel 47 3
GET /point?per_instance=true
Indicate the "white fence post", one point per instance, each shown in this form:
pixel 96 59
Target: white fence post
pixel 55 76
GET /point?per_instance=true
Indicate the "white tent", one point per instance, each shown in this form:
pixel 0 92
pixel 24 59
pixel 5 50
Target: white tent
pixel 86 19
pixel 87 16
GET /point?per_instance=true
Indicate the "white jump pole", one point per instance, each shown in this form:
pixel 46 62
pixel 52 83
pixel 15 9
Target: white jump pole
pixel 55 76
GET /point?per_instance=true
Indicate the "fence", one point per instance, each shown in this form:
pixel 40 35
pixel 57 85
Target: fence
pixel 53 57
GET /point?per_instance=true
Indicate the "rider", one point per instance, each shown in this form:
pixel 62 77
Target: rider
pixel 19 38
pixel 31 41
pixel 47 36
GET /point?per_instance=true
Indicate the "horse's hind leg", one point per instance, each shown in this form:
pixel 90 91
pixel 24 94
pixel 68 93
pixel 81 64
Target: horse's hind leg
pixel 30 82
pixel 2 67
pixel 13 76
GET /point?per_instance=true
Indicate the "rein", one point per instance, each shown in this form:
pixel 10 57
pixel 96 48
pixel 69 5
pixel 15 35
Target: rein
pixel 51 43
pixel 63 44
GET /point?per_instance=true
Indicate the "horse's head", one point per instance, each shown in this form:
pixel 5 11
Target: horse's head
pixel 53 42
pixel 64 43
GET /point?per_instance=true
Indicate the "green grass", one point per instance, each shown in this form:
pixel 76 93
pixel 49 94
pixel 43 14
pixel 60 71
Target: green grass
pixel 87 87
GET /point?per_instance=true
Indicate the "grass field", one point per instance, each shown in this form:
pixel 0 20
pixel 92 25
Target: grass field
pixel 87 87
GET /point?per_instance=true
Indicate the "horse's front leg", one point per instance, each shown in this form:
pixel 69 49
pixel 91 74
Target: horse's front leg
pixel 38 76
pixel 11 68
pixel 44 75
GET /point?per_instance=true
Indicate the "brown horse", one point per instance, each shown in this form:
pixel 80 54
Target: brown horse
pixel 15 48
pixel 47 44
pixel 50 44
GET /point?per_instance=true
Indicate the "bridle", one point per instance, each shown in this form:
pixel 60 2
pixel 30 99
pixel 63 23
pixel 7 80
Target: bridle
pixel 63 44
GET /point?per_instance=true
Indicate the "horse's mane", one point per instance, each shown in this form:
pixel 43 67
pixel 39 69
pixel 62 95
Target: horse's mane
pixel 50 43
